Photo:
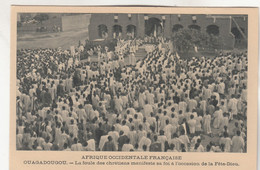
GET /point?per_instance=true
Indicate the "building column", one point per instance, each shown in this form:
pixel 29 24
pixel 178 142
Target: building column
pixel 167 27
pixel 140 25
pixel 110 31
pixel 123 31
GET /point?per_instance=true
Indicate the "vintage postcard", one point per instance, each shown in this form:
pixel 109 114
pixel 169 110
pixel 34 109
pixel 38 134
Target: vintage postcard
pixel 133 87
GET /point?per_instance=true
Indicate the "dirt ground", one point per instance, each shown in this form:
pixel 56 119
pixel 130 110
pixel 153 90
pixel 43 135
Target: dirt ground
pixel 51 40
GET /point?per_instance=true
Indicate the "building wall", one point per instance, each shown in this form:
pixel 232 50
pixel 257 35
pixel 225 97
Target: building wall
pixel 243 24
pixel 224 24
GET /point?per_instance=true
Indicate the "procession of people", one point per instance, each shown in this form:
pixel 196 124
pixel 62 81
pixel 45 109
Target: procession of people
pixel 160 103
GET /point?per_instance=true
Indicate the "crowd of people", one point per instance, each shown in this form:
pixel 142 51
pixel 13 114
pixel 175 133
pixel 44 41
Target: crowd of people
pixel 161 103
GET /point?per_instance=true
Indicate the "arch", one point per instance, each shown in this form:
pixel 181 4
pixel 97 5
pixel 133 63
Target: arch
pixel 176 27
pixel 153 26
pixel 237 33
pixel 131 30
pixel 117 31
pixel 213 30
pixel 195 27
pixel 102 31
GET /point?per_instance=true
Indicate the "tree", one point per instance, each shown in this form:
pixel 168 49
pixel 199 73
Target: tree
pixel 182 40
pixel 186 39
pixel 41 17
pixel 213 42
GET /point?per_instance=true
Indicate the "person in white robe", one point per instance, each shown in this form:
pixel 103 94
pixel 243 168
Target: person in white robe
pixel 226 141
pixel 192 124
pixel 206 123
pixel 76 146
pixel 218 118
pixel 238 143
pixel 127 147
pixel 145 140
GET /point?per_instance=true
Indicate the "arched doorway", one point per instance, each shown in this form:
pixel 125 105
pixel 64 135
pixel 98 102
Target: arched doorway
pixel 117 31
pixel 131 31
pixel 195 27
pixel 213 30
pixel 102 31
pixel 153 27
pixel 176 28
pixel 237 33
pixel 240 40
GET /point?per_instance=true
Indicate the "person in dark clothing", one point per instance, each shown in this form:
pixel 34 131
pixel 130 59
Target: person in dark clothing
pixel 60 89
pixel 98 133
pixel 121 140
pixel 156 146
pixel 176 98
pixel 183 148
pixel 26 146
pixel 109 145
pixel 214 101
pixel 46 100
pixel 186 126
pixel 106 127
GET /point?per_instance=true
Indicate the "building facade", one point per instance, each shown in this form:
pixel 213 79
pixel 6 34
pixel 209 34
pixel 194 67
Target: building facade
pixel 232 30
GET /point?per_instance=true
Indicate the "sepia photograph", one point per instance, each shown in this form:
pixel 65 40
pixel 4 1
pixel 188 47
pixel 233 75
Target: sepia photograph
pixel 133 87
pixel 131 82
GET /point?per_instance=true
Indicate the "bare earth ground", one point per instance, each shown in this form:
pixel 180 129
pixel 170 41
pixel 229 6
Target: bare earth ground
pixel 51 40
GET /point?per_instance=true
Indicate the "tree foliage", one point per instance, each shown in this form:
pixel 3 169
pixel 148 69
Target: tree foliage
pixel 186 39
pixel 41 17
